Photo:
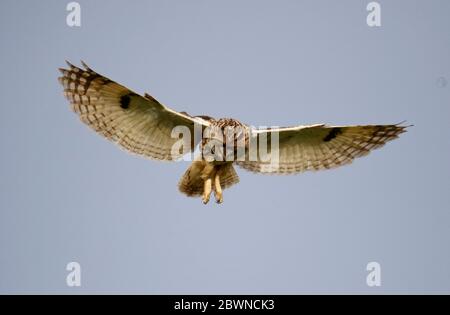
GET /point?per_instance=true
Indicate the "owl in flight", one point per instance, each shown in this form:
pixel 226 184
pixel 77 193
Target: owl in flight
pixel 144 126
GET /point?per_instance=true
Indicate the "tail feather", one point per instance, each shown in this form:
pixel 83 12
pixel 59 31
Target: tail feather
pixel 228 176
pixel 191 184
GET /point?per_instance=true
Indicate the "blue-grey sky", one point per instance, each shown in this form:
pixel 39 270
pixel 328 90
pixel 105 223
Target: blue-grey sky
pixel 67 195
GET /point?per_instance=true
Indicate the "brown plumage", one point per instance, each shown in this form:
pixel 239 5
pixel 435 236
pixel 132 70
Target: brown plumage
pixel 143 126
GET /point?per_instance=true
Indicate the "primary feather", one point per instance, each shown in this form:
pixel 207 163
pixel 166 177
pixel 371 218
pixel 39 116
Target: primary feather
pixel 139 124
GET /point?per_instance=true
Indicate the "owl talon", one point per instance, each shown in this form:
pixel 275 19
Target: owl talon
pixel 219 199
pixel 218 189
pixel 205 200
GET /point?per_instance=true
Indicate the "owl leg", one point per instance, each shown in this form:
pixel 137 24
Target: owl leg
pixel 207 190
pixel 207 175
pixel 218 189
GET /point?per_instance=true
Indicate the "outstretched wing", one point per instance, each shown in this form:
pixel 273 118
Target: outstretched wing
pixel 139 124
pixel 319 147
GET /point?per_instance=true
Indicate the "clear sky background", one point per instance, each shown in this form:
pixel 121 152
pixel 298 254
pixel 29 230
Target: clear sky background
pixel 67 195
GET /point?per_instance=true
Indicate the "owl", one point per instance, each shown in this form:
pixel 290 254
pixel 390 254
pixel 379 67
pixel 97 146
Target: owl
pixel 142 125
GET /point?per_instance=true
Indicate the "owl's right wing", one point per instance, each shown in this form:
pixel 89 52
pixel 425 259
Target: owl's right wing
pixel 139 124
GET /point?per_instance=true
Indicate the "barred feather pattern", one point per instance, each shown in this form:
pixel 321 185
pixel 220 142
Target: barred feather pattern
pixel 318 147
pixel 139 124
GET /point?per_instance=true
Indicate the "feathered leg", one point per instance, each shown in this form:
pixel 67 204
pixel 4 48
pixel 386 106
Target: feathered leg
pixel 207 190
pixel 217 188
pixel 207 175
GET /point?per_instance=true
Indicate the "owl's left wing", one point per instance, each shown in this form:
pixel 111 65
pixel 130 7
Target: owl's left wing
pixel 317 147
pixel 139 124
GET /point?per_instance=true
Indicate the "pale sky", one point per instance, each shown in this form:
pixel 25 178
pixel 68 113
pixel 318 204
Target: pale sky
pixel 67 195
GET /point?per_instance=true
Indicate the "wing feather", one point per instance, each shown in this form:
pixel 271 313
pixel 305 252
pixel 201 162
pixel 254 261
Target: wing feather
pixel 316 147
pixel 139 124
